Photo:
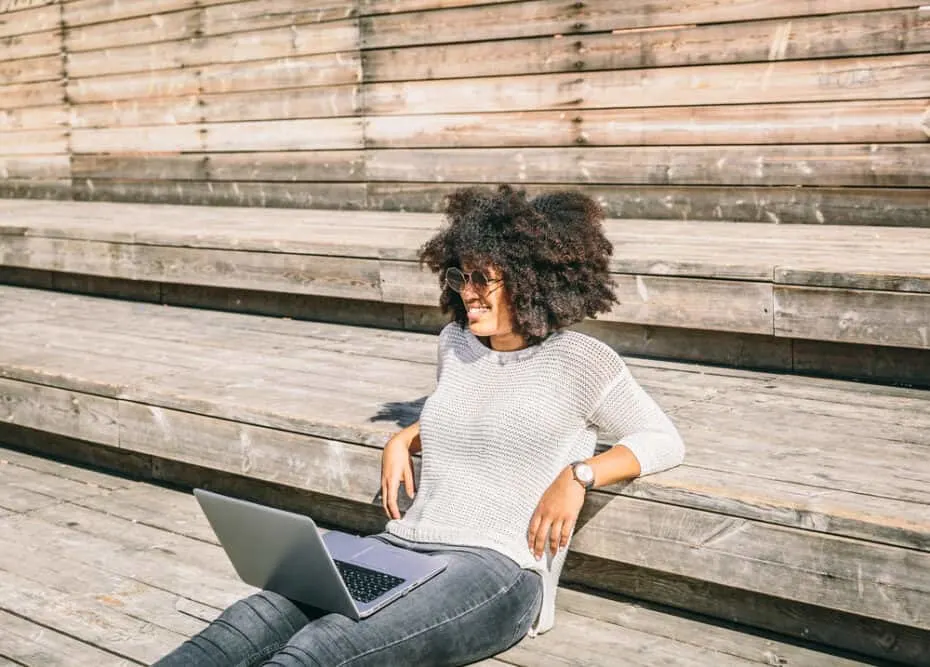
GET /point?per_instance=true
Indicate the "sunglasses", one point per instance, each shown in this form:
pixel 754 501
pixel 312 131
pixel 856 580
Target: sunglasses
pixel 456 280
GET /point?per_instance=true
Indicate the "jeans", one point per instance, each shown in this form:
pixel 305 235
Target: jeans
pixel 482 604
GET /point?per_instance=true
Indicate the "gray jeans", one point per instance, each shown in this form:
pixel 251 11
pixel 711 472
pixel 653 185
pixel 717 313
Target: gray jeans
pixel 482 604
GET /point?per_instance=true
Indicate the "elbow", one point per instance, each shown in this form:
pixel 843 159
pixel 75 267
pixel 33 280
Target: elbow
pixel 656 451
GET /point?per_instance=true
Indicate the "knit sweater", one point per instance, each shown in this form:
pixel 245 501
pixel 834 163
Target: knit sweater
pixel 501 426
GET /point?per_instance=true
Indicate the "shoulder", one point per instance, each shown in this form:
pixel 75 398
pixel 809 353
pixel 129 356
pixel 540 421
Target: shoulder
pixel 586 353
pixel 451 335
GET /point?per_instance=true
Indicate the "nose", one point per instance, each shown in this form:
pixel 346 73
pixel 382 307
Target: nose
pixel 469 293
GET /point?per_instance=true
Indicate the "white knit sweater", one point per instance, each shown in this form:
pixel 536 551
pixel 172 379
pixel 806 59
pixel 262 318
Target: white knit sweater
pixel 501 426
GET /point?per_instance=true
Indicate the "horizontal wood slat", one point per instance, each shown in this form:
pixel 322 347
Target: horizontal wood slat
pixel 238 48
pixel 325 70
pixel 551 17
pixel 842 35
pixel 851 316
pixel 34 118
pixel 304 39
pixel 893 165
pixel 20 95
pixel 253 166
pixel 33 142
pixel 220 193
pixel 31 46
pixel 881 77
pixel 875 121
pixel 272 105
pixel 43 68
pixel 219 14
pixel 313 134
pixel 832 206
pixel 40 167
pixel 25 21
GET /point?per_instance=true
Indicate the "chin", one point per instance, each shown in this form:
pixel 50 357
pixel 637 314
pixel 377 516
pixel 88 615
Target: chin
pixel 481 329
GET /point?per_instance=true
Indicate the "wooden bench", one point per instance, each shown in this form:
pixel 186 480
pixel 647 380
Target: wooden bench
pixel 844 301
pixel 122 600
pixel 802 507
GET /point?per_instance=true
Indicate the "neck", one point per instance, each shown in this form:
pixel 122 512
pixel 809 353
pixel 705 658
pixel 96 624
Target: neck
pixel 508 342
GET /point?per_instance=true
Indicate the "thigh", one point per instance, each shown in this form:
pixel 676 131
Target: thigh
pixel 246 633
pixel 479 606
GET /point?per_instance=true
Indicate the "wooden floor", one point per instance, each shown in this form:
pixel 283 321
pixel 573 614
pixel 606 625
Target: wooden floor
pixel 96 569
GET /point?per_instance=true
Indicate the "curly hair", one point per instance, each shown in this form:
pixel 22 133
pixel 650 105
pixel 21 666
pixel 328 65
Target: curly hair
pixel 551 251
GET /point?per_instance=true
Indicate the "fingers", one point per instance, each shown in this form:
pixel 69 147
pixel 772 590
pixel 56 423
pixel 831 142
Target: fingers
pixel 409 485
pixel 554 529
pixel 555 536
pixel 568 527
pixel 535 523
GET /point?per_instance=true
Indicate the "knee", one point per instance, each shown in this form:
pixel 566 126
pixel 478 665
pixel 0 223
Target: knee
pixel 265 613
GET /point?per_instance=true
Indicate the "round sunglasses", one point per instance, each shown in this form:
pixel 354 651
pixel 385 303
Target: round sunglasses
pixel 456 279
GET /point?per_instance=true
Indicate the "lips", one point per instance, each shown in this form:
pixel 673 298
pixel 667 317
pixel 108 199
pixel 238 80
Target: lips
pixel 476 312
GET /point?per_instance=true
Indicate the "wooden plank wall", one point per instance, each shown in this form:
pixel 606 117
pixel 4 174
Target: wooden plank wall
pixel 34 151
pixel 753 110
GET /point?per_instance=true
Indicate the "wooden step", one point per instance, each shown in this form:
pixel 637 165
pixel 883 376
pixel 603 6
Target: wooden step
pixel 121 601
pixel 802 505
pixel 789 297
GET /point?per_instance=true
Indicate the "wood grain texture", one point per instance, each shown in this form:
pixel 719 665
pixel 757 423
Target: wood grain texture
pixel 318 165
pixel 837 35
pixel 228 193
pixel 58 411
pixel 879 77
pixel 30 70
pixel 893 121
pixel 40 18
pixel 326 37
pixel 130 519
pixel 851 316
pixel 549 17
pixel 894 165
pixel 184 79
pixel 904 207
pixel 290 104
pixel 46 93
pixel 287 135
pixel 32 45
pixel 35 118
pixel 220 14
pixel 33 142
pixel 38 167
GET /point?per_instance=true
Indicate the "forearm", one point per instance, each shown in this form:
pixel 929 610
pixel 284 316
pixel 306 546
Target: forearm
pixel 616 464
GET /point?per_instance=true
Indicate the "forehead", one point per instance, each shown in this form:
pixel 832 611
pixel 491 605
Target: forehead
pixel 477 264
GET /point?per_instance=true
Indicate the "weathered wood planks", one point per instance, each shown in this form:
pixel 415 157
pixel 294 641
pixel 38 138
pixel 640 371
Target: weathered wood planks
pixel 566 80
pixel 129 517
pixel 215 379
pixel 853 34
pixel 549 17
pixel 863 285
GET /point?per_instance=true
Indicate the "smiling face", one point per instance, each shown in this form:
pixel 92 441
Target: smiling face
pixel 490 314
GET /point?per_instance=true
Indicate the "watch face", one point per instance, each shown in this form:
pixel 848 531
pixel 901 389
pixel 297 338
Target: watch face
pixel 584 473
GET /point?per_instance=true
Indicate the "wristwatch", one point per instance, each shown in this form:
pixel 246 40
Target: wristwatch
pixel 583 474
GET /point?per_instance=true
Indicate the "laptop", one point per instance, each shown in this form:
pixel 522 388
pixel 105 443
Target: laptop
pixel 337 572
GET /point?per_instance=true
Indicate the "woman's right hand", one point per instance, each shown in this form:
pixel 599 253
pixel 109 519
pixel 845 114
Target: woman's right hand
pixel 397 467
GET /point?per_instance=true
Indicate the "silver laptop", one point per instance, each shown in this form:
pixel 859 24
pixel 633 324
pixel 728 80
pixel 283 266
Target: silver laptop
pixel 337 572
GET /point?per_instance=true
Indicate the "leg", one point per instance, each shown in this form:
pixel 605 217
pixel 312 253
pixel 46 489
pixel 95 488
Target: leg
pixel 244 634
pixel 482 604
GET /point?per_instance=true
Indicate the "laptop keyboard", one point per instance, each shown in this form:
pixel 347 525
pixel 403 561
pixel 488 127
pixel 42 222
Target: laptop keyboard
pixel 365 585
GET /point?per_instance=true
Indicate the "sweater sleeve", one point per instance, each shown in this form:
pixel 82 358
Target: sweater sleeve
pixel 627 412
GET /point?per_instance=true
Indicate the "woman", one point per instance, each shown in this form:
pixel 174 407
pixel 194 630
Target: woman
pixel 507 442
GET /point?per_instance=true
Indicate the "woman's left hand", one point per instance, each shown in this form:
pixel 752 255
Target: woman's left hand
pixel 556 514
